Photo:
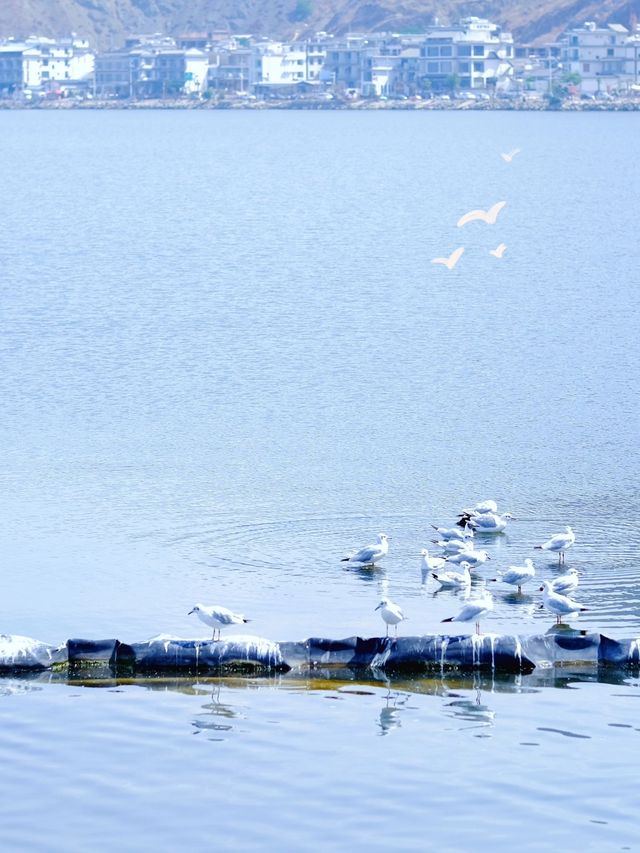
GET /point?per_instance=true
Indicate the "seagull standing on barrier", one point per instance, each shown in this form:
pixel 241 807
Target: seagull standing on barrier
pixel 217 617
pixel 391 614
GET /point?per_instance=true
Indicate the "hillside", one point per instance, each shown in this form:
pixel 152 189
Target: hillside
pixel 107 22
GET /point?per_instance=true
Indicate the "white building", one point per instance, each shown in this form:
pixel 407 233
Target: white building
pixel 475 53
pixel 45 64
pixel 606 58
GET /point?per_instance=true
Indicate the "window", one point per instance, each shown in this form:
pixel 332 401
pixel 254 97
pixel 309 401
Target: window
pixel 432 67
pixel 586 66
pixel 464 67
pixel 478 66
pixel 478 50
pixel 464 50
pixel 446 51
pixel 609 51
pixel 432 51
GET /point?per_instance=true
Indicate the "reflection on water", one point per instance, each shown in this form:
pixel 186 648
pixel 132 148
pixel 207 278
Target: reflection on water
pixel 472 709
pixel 215 712
pixel 389 718
pixel 275 740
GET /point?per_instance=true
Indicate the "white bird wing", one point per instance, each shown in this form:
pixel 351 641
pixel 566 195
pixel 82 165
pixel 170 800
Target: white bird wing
pixel 452 260
pixel 564 603
pixel 488 216
pixel 394 610
pixel 471 610
pixel 366 554
pixel 225 616
pixel 560 540
pixel 513 575
pixel 488 521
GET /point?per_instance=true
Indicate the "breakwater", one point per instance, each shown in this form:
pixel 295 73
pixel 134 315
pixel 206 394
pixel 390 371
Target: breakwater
pixel 167 654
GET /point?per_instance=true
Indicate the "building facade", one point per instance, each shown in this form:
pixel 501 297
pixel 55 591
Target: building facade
pixel 605 58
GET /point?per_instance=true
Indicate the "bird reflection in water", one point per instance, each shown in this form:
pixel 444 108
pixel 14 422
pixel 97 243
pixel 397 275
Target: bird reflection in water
pixel 215 714
pixel 389 714
pixel 472 709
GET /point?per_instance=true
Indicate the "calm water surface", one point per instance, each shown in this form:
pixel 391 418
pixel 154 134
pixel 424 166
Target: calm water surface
pixel 225 359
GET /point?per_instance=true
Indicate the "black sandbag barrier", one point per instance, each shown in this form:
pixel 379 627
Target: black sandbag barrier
pixel 413 654
pixel 166 654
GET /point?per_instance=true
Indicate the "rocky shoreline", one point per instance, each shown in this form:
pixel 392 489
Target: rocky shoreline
pixel 512 104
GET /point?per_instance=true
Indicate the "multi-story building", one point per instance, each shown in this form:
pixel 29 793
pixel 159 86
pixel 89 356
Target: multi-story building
pixel 45 65
pixel 605 58
pixel 475 54
pixel 151 67
pixel 233 68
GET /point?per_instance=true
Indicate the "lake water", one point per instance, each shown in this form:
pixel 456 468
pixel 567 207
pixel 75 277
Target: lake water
pixel 226 358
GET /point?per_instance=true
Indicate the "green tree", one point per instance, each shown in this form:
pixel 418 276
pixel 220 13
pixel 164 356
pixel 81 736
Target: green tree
pixel 452 82
pixel 424 86
pixel 571 78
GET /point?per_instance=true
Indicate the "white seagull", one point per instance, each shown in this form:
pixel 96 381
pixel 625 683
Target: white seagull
pixel 474 610
pixel 430 564
pixel 489 522
pixel 455 580
pixel 517 575
pixel 370 553
pixel 217 617
pixel 453 546
pixel 566 583
pixel 453 532
pixel 391 613
pixel 474 558
pixel 559 604
pixel 559 543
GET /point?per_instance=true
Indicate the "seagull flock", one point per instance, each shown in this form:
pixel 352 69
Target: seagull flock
pixel 452 569
pixel 489 216
pixel 460 557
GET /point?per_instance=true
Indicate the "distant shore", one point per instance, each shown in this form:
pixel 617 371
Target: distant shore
pixel 619 104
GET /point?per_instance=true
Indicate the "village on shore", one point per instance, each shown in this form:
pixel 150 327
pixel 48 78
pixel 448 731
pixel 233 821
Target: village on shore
pixel 473 65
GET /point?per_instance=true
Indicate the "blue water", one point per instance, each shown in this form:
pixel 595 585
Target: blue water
pixel 226 359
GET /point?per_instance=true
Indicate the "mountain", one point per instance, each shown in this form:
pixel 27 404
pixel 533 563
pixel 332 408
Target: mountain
pixel 106 22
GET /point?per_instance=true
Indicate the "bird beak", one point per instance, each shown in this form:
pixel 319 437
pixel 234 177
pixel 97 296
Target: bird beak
pixel 378 607
pixel 191 611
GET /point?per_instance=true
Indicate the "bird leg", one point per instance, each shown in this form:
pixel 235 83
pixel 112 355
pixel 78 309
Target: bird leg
pixel 477 627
